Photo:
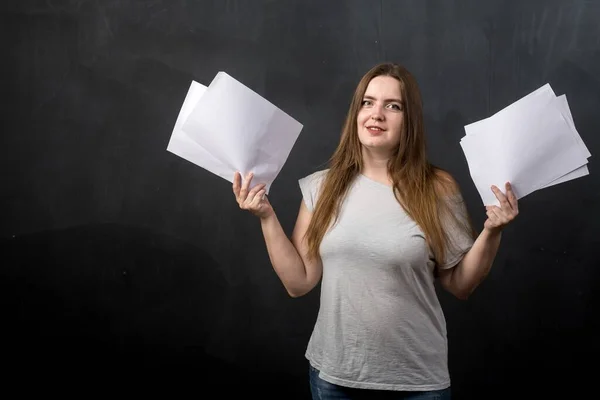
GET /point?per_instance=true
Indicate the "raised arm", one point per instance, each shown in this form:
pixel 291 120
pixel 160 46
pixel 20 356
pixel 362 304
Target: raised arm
pixel 297 273
pixel 463 279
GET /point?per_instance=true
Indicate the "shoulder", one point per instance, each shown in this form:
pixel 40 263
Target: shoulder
pixel 445 184
pixel 317 174
pixel 448 192
pixel 314 178
pixel 310 185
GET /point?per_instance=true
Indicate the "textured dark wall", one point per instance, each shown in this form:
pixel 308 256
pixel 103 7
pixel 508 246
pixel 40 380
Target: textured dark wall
pixel 121 261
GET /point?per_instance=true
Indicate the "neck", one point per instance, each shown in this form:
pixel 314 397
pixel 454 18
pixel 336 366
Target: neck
pixel 375 165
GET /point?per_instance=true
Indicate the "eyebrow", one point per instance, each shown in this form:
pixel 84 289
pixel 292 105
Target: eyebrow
pixel 386 100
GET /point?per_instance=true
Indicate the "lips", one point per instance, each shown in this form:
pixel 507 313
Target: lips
pixel 375 130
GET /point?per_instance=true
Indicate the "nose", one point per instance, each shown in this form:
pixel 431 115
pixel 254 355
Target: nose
pixel 377 112
pixel 377 115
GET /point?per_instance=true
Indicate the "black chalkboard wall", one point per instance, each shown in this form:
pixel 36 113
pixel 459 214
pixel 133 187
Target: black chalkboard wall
pixel 123 264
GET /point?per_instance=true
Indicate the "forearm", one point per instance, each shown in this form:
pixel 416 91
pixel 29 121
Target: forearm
pixel 476 264
pixel 284 257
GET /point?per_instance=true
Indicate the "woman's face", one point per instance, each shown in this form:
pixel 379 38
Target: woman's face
pixel 381 115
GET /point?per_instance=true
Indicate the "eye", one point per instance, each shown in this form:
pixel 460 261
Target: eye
pixel 366 103
pixel 395 106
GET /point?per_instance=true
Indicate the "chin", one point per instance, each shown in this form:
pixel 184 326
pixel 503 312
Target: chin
pixel 369 145
pixel 373 142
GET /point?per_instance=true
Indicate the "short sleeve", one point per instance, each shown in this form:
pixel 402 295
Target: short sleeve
pixel 458 230
pixel 309 186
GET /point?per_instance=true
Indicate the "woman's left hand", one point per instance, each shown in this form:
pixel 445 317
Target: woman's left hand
pixel 499 217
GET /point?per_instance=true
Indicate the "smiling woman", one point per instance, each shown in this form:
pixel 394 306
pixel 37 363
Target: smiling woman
pixel 377 228
pixel 380 117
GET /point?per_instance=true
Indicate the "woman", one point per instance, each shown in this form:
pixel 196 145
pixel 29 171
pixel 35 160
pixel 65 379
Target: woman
pixel 377 228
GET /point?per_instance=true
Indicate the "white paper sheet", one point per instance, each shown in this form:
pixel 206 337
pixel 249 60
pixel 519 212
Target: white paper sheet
pixel 183 146
pixel 240 130
pixel 581 171
pixel 532 143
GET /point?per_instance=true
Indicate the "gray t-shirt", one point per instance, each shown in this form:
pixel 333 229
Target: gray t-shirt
pixel 380 324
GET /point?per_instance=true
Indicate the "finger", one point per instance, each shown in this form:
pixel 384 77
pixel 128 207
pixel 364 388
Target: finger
pixel 501 197
pixel 489 207
pixel 245 185
pixel 254 191
pixel 258 199
pixel 512 198
pixel 236 184
pixel 500 216
pixel 493 210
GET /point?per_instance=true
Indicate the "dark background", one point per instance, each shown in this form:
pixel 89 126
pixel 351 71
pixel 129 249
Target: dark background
pixel 126 267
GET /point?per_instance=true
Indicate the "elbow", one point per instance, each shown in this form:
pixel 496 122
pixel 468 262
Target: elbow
pixel 462 293
pixel 299 291
pixel 464 296
pixel 294 294
pixel 300 287
pixel 459 288
pixel 459 292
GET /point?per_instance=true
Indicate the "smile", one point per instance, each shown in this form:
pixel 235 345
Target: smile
pixel 375 130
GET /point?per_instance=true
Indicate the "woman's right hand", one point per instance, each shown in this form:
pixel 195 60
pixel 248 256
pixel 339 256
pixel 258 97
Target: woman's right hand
pixel 254 200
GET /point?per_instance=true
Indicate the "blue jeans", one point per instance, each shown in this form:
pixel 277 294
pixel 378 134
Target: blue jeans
pixel 322 390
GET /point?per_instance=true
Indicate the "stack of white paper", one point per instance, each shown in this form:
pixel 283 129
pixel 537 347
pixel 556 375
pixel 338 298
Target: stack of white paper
pixel 532 144
pixel 227 127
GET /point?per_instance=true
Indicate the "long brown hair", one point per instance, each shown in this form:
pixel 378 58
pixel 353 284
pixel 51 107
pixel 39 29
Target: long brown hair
pixel 418 185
